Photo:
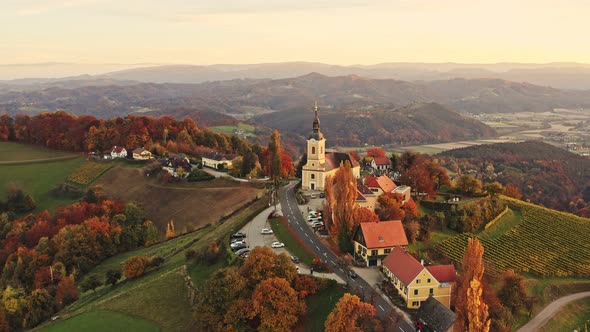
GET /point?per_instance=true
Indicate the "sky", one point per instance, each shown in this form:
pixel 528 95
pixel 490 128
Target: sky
pixel 342 32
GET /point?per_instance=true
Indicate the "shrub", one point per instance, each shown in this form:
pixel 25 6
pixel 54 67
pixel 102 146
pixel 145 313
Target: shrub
pixel 91 283
pixel 190 254
pixel 112 276
pixel 199 175
pixel 319 266
pixel 135 266
pixel 156 261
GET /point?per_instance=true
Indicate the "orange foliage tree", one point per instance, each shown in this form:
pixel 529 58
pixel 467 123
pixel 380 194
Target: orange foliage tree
pixel 363 214
pixel 170 230
pixel 343 202
pixel 470 307
pixel 352 315
pixel 276 304
pixel 263 263
pixel 375 153
pixel 66 292
pixel 135 266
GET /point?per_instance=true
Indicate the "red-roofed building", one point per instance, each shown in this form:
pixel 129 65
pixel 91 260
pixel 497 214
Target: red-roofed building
pixel 380 185
pixel 381 164
pixel 416 282
pixel 373 241
pixel 115 152
pixel 365 197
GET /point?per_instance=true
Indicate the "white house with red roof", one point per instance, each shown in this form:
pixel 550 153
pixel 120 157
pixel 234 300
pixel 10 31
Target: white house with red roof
pixel 115 152
pixel 416 282
pixel 373 241
pixel 381 164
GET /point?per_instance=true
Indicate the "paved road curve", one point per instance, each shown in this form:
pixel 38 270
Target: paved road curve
pixel 291 211
pixel 551 310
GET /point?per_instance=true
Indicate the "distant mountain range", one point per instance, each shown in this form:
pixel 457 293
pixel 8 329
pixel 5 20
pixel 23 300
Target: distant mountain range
pixel 559 75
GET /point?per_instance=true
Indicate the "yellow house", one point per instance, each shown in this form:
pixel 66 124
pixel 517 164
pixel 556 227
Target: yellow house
pixel 416 282
pixel 320 163
pixel 373 241
pixel 142 154
pixel 380 185
pixel 365 198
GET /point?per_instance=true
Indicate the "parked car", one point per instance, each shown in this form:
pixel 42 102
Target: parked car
pixel 295 259
pixel 312 196
pixel 322 195
pixel 242 251
pixel 277 244
pixel 352 274
pixel 317 224
pixel 238 246
pixel 273 214
pixel 238 235
pixel 313 219
pixel 266 231
pixel 236 240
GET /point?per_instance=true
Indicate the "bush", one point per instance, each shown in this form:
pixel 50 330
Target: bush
pixel 319 266
pixel 156 261
pixel 190 254
pixel 135 266
pixel 91 283
pixel 112 276
pixel 199 175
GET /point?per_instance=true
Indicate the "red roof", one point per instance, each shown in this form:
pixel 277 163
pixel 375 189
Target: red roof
pixel 380 161
pixel 443 273
pixel 360 196
pixel 403 265
pixel 383 182
pixel 364 190
pixel 333 160
pixel 384 234
pixel 118 149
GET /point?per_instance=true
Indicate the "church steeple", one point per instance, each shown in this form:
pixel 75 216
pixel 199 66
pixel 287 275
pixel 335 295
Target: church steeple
pixel 316 133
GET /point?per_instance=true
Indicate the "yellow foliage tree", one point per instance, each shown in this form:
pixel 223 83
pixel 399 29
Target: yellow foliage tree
pixel 170 233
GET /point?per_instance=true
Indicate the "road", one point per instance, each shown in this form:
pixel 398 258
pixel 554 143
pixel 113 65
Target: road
pixel 551 310
pixel 291 211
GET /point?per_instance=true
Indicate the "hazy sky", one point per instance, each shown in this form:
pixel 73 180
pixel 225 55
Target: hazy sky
pixel 330 31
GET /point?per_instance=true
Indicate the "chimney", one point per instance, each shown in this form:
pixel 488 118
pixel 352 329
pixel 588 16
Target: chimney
pixel 422 262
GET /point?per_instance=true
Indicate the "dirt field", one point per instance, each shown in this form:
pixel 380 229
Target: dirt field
pixel 187 204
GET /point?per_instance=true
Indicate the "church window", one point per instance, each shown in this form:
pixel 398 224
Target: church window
pixel 312 176
pixel 313 150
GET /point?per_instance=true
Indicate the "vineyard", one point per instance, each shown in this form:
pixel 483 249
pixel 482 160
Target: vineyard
pixel 88 172
pixel 546 242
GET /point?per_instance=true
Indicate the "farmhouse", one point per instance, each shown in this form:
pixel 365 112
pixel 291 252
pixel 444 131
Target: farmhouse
pixel 373 241
pixel 320 163
pixel 214 159
pixel 177 165
pixel 381 164
pixel 142 154
pixel 115 152
pixel 416 282
pixel 380 185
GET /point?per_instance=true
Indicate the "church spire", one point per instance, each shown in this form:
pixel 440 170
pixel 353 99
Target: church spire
pixel 316 133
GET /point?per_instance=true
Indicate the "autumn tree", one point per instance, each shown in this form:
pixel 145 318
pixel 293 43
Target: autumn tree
pixel 151 233
pixel 66 292
pixel 363 214
pixel 343 202
pixel 4 325
pixel 352 315
pixel 468 184
pixel 170 230
pixel 390 207
pixel 91 282
pixel 375 153
pixel 39 307
pixel 493 188
pixel 470 308
pixel 277 305
pixel 512 191
pixel 513 291
pixel 263 263
pixel 18 201
pixel 274 149
pixel 135 266
pixel 412 230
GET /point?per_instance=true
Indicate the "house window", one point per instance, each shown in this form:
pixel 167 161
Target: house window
pixel 387 250
pixel 431 291
pixel 313 150
pixel 418 281
pixel 312 176
pixel 373 252
pixel 428 280
pixel 415 292
pixel 415 303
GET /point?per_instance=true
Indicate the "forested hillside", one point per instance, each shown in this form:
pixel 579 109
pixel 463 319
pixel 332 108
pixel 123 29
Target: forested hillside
pixel 545 174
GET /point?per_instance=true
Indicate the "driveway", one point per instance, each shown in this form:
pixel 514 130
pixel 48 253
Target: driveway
pixel 296 218
pixel 551 310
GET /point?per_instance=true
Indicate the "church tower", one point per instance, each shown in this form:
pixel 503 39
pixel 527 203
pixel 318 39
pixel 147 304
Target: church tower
pixel 313 171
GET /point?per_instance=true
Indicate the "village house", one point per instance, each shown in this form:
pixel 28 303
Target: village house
pixel 381 165
pixel 115 152
pixel 373 241
pixel 177 165
pixel 416 282
pixel 380 185
pixel 404 191
pixel 142 154
pixel 321 163
pixel 435 317
pixel 365 197
pixel 214 159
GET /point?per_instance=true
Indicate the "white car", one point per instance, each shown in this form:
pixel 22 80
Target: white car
pixel 266 231
pixel 277 244
pixel 317 224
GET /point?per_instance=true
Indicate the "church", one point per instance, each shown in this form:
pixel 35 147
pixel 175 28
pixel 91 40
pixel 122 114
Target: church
pixel 320 163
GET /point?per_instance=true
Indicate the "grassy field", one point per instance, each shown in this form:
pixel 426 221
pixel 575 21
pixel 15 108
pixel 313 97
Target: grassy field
pixel 230 130
pixel 103 321
pixel 10 151
pixel 511 219
pixel 295 247
pixel 160 296
pixel 319 307
pixel 571 317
